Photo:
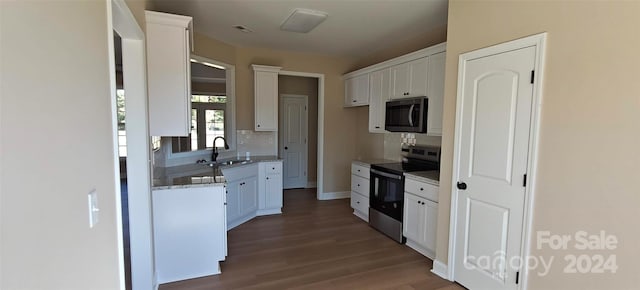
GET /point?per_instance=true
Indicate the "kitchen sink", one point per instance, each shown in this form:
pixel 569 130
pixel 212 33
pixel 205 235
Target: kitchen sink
pixel 228 162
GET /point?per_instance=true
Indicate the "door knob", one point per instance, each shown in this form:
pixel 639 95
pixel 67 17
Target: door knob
pixel 462 185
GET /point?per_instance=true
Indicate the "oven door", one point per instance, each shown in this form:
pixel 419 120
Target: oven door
pixel 386 193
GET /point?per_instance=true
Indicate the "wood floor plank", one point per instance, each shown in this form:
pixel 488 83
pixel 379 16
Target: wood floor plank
pixel 316 245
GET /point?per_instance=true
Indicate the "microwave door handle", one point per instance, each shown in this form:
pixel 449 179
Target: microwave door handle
pixel 411 115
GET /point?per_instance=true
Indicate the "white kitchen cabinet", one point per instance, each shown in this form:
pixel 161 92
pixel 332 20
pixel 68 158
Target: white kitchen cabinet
pixel 270 178
pixel 435 93
pixel 360 190
pixel 356 91
pixel 409 79
pixel 189 232
pixel 266 97
pixel 242 194
pixel 420 216
pixel 379 93
pixel 169 73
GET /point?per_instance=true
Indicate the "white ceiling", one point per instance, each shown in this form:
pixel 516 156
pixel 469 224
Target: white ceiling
pixel 354 27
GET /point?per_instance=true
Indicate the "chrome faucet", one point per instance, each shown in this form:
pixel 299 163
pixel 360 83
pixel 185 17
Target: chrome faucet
pixel 214 154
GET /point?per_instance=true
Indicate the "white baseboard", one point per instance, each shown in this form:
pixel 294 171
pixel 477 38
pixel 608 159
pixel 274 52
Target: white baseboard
pixel 311 184
pixel 334 195
pixel 440 269
pixel 270 211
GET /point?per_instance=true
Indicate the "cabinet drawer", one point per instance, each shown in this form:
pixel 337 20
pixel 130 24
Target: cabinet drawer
pixel 360 170
pixel 360 185
pixel 360 203
pixel 272 167
pixel 421 189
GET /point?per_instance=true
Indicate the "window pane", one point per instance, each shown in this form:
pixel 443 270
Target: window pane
pixel 215 127
pixel 208 99
pixel 194 129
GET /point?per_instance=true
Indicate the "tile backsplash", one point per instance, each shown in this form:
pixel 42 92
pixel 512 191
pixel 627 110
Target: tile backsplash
pixel 393 143
pixel 256 143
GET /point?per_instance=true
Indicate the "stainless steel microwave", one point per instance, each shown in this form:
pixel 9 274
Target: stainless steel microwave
pixel 407 115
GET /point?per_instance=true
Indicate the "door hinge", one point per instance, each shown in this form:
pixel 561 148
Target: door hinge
pixel 524 180
pixel 517 277
pixel 532 75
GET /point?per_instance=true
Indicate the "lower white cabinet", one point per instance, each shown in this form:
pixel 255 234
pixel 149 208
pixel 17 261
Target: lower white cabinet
pixel 189 232
pixel 420 217
pixel 360 190
pixel 253 190
pixel 270 176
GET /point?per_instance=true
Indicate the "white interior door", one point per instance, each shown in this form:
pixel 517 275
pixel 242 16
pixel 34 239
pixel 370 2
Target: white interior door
pixel 293 140
pixel 495 119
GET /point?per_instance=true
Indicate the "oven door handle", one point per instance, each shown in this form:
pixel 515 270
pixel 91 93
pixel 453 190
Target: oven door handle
pixel 411 115
pixel 389 175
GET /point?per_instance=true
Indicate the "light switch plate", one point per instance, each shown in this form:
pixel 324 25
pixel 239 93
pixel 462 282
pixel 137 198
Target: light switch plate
pixel 93 208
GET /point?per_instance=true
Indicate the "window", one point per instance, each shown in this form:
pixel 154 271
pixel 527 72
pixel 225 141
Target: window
pixel 207 122
pixel 122 132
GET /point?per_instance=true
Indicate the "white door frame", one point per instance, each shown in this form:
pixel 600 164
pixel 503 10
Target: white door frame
pixel 320 155
pixel 305 154
pixel 120 19
pixel 538 41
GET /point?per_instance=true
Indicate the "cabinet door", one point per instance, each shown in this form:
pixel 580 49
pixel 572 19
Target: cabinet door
pixel 233 201
pixel 400 76
pixel 435 92
pixel 379 93
pixel 168 80
pixel 273 190
pixel 266 101
pixel 430 223
pixel 357 91
pixel 418 77
pixel 248 195
pixel 412 226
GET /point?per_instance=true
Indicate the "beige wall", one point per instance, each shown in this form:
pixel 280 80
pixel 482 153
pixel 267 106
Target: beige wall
pixel 308 87
pixel 590 127
pixel 56 146
pixel 210 88
pixel 340 123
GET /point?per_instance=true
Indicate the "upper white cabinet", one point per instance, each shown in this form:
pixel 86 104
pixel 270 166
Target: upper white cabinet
pixel 409 79
pixel 266 97
pixel 420 73
pixel 356 91
pixel 379 92
pixel 169 73
pixel 435 92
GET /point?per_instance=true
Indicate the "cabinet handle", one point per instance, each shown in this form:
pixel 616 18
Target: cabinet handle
pixel 377 127
pixel 418 202
pixel 354 101
pixel 273 168
pixel 421 189
pixel 357 202
pixel 258 125
pixel 267 178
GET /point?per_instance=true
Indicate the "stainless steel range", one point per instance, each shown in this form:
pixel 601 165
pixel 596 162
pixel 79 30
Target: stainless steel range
pixel 386 193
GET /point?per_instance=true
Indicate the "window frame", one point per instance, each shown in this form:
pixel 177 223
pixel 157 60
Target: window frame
pixel 230 112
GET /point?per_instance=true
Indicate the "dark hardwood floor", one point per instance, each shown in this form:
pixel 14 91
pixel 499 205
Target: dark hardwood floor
pixel 316 245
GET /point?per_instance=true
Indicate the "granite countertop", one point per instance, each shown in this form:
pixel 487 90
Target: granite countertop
pixel 367 162
pixel 431 176
pixel 199 175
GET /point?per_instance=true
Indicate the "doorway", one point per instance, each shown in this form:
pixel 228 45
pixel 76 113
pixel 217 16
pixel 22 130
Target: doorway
pixel 138 161
pixel 494 163
pixel 293 140
pixel 298 129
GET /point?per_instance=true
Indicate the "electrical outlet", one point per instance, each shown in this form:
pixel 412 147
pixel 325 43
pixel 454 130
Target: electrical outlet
pixel 92 197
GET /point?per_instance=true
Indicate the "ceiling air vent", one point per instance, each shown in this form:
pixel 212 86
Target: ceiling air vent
pixel 242 28
pixel 303 20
